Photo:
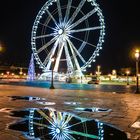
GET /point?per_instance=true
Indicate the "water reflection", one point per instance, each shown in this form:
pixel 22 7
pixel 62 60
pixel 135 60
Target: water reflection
pixel 38 100
pixel 28 98
pixel 59 85
pixel 72 103
pixel 49 124
pixel 45 103
pixel 6 110
pixel 93 109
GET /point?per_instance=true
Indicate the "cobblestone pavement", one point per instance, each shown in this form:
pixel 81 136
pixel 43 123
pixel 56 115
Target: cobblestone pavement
pixel 125 107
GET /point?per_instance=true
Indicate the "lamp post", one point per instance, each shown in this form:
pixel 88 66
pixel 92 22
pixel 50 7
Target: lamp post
pixel 52 86
pixel 137 55
pixel 127 75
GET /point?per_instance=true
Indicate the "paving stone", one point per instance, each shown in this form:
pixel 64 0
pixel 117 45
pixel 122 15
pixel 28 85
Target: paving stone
pixel 125 107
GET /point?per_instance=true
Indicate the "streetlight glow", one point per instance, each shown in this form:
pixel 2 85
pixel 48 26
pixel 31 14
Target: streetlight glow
pixel 137 54
pixel 127 72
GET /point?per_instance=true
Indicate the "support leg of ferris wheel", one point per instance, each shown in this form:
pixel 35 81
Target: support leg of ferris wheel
pixel 69 62
pixel 47 70
pixel 52 52
pixel 61 46
pixel 77 71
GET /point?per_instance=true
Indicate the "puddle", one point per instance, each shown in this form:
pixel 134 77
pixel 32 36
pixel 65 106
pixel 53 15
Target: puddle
pixel 27 98
pixel 118 92
pixel 93 109
pixel 37 100
pixel 6 110
pixel 49 124
pixel 21 113
pixel 72 103
pixel 136 124
pixel 45 103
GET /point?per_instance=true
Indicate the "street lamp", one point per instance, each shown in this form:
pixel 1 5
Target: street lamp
pixel 127 73
pixel 52 86
pixel 98 72
pixel 137 55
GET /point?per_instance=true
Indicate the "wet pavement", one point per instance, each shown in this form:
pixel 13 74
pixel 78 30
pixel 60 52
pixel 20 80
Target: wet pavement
pixel 118 110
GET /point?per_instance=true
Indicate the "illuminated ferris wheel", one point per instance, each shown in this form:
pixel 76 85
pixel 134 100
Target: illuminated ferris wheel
pixel 71 31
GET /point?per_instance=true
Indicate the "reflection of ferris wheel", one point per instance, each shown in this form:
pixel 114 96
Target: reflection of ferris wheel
pixel 72 31
pixel 49 124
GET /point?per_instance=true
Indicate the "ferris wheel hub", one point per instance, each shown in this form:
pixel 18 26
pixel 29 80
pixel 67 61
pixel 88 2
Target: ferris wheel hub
pixel 60 31
pixel 58 130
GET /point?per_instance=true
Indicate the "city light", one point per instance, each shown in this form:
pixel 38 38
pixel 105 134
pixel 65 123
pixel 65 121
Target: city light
pixel 127 75
pixel 2 47
pixel 137 55
pixel 52 61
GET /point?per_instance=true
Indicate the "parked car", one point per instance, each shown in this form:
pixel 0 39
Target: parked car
pixel 95 80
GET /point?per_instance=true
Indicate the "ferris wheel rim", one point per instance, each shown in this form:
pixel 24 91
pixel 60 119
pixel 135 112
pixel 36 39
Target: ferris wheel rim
pixel 60 31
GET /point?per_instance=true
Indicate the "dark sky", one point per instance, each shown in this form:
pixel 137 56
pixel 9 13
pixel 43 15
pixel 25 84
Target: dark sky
pixel 122 18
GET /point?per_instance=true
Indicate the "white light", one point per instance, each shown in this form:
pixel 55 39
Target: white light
pixel 60 32
pixel 89 66
pixel 52 59
pixel 58 130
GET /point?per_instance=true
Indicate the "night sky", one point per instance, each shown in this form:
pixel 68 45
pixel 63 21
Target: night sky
pixel 122 20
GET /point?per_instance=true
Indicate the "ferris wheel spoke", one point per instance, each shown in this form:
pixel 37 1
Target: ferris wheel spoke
pixel 50 55
pixel 47 58
pixel 67 11
pixel 76 124
pixel 67 120
pixel 46 45
pixel 83 18
pixel 82 59
pixel 82 41
pixel 48 26
pixel 43 36
pixel 76 11
pixel 61 46
pixel 83 134
pixel 52 17
pixel 69 62
pixel 59 11
pixel 40 124
pixel 82 47
pixel 68 136
pixel 85 29
pixel 45 116
pixel 74 55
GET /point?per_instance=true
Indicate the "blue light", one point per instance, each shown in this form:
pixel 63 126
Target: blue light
pixel 31 70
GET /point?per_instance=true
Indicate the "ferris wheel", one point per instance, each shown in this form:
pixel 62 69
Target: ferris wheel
pixel 71 31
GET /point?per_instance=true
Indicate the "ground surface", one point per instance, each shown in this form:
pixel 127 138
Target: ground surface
pixel 125 106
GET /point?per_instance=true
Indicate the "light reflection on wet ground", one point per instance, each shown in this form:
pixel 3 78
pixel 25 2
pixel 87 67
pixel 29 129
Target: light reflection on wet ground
pixel 49 124
pixel 93 109
pixel 28 98
pixel 37 100
pixel 71 86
